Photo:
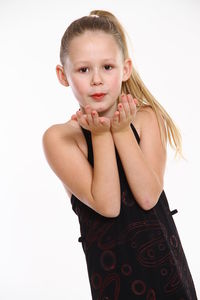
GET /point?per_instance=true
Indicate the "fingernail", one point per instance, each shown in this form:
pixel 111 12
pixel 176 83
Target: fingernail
pixel 124 97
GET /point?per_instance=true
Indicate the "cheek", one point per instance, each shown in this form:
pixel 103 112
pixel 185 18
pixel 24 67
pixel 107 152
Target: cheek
pixel 78 86
pixel 115 83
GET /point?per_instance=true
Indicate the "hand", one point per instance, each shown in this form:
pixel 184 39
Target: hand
pixel 125 114
pixel 91 121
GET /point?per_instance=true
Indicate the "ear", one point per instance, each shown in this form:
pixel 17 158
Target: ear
pixel 127 71
pixel 61 75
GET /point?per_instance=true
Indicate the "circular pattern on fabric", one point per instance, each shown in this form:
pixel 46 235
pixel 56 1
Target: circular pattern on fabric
pixel 151 253
pixel 138 287
pixel 173 241
pixel 163 272
pixel 108 260
pixel 133 244
pixel 161 247
pixel 96 281
pixel 126 269
pixel 151 295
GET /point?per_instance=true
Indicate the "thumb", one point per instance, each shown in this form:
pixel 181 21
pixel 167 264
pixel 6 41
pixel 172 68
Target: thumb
pixel 74 117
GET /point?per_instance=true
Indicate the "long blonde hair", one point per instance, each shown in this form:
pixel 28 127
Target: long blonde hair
pixel 107 22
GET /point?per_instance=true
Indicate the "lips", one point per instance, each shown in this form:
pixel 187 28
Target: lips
pixel 98 96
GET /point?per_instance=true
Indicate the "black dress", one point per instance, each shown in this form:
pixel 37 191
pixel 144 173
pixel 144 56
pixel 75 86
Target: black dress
pixel 137 255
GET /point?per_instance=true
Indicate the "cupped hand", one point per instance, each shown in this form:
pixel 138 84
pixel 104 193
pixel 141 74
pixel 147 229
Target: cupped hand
pixel 91 121
pixel 125 114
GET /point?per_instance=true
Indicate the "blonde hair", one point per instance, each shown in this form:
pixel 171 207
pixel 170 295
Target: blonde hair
pixel 107 22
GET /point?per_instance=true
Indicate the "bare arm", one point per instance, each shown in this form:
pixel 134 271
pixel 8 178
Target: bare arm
pixel 97 188
pixel 105 184
pixel 143 164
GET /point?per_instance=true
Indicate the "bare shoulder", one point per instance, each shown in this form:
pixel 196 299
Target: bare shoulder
pixel 68 160
pixel 145 114
pixel 66 152
pixel 63 135
pixel 69 132
pixel 69 129
pixel 146 121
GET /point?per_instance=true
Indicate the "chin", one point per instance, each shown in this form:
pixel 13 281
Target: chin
pixel 99 107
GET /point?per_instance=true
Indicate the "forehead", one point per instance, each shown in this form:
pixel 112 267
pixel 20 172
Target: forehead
pixel 94 44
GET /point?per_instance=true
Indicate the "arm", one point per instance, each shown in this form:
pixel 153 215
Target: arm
pixel 97 188
pixel 143 164
pixel 105 184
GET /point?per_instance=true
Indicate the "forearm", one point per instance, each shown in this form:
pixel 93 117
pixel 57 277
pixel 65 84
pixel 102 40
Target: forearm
pixel 105 185
pixel 142 180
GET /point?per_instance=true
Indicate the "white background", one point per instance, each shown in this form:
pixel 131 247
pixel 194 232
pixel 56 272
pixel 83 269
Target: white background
pixel 40 257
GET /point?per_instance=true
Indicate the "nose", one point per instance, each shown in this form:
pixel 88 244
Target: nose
pixel 96 78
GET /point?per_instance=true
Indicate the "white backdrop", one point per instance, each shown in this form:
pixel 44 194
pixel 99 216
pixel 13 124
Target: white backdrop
pixel 40 257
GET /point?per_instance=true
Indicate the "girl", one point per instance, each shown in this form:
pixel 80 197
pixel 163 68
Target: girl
pixel 111 160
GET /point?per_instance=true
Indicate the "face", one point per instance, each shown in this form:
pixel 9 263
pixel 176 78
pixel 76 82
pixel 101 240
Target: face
pixel 95 70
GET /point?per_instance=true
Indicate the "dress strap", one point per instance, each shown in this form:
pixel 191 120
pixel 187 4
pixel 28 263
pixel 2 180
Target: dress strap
pixel 136 133
pixel 87 135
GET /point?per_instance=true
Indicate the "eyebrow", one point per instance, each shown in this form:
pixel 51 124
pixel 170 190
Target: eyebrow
pixel 88 62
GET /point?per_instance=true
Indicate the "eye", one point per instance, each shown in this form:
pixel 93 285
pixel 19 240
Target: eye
pixel 83 70
pixel 108 67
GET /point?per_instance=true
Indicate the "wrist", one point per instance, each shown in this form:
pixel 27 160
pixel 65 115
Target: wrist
pixel 101 133
pixel 121 131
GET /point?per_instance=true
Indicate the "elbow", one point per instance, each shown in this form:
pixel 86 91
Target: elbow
pixel 148 202
pixel 111 211
pixel 110 207
pixel 112 214
pixel 108 213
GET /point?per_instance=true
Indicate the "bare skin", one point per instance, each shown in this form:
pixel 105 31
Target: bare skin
pixel 72 131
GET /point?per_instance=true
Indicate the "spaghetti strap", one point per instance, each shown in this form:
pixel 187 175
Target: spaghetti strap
pixel 136 133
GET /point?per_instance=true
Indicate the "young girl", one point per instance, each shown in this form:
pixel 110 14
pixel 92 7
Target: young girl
pixel 111 159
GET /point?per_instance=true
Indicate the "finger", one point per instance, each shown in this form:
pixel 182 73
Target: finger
pixel 126 105
pixel 131 104
pixel 74 117
pixel 88 111
pixel 103 121
pixel 122 114
pixel 95 117
pixel 115 118
pixel 82 118
pixel 78 114
pixel 107 122
pixel 130 98
pixel 121 96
